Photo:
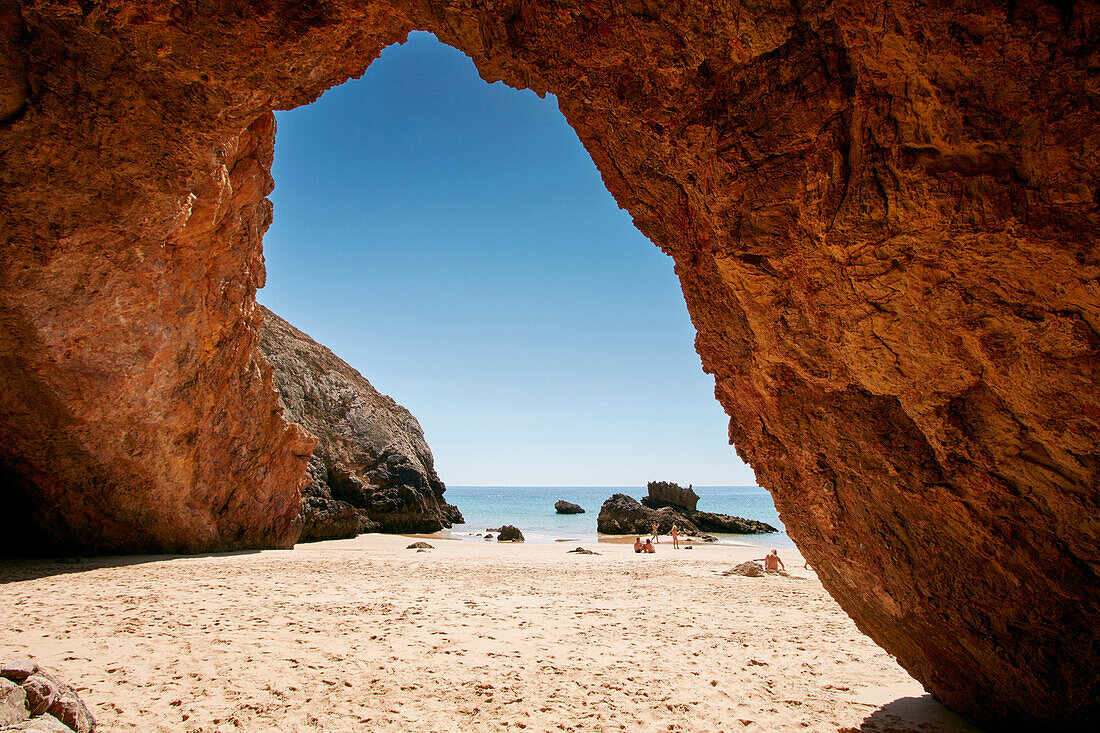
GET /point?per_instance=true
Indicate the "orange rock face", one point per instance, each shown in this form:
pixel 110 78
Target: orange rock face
pixel 884 218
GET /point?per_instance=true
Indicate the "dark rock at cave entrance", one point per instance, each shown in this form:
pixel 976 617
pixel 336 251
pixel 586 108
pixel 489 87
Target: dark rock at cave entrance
pixel 372 471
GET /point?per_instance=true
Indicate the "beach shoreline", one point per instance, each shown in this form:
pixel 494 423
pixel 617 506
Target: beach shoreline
pixel 467 636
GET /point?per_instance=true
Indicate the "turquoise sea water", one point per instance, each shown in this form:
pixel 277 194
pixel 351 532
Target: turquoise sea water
pixel 531 508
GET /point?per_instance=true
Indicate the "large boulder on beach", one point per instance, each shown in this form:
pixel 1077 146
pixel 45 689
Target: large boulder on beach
pixel 567 507
pixel 747 569
pixel 622 514
pixel 509 533
pixel 372 470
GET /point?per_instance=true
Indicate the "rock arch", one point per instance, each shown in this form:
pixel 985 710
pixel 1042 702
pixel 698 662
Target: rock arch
pixel 884 218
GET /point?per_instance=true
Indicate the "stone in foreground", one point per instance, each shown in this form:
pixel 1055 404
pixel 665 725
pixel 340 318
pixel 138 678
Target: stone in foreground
pixel 34 700
pixel 508 533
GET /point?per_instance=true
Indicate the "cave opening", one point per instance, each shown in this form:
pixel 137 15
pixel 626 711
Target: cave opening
pixel 892 278
pixel 454 242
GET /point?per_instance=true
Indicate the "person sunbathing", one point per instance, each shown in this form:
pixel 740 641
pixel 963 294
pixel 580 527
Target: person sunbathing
pixel 772 562
pixel 638 546
pixel 649 547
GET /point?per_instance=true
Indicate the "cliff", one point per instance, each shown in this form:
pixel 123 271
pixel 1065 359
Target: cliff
pixel 372 469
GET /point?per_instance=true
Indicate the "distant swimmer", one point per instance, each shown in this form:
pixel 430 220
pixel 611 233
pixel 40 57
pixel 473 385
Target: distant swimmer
pixel 772 562
pixel 638 546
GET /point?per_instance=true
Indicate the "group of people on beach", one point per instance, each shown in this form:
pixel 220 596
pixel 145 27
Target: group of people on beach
pixel 648 545
pixel 770 561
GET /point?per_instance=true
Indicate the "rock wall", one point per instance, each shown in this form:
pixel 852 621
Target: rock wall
pixel 884 218
pixel 371 455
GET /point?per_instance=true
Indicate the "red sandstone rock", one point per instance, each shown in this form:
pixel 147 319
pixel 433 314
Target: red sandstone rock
pixel 884 218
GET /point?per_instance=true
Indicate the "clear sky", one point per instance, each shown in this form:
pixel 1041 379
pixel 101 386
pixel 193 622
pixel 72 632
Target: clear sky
pixel 453 241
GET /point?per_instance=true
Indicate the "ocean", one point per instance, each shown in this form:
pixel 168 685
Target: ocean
pixel 531 508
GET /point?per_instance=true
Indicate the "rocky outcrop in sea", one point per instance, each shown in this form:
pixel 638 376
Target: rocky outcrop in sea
pixel 372 470
pixel 567 507
pixel 622 514
pixel 666 493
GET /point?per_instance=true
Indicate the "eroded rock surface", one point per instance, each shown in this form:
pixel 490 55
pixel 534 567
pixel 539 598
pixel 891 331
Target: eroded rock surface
pixel 622 514
pixel 884 218
pixel 667 493
pixel 372 470
pixel 33 699
pixel 510 533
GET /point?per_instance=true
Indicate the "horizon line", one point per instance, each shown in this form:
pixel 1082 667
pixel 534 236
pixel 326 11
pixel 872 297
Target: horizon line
pixel 591 486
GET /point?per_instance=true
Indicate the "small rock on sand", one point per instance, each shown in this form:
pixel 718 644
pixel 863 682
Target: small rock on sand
pixel 508 533
pixel 748 568
pixel 420 546
pixel 582 551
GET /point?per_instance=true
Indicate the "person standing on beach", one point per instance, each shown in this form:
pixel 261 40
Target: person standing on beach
pixel 675 537
pixel 656 537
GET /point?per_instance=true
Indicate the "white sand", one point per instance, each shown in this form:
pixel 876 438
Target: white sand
pixel 364 635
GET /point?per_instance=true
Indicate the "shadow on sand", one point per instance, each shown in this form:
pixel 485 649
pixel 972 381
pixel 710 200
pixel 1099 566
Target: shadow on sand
pixel 914 714
pixel 14 569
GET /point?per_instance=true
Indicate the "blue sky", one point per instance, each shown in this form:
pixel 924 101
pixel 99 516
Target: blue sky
pixel 453 241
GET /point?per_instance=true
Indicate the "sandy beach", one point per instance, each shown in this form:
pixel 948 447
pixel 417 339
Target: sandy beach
pixel 364 634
